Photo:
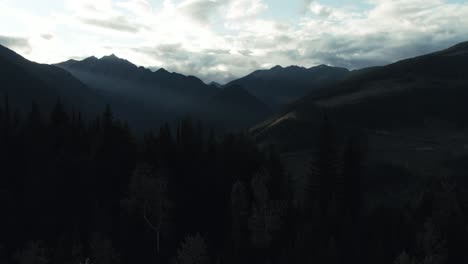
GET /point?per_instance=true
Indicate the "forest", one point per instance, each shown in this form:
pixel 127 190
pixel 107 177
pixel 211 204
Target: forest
pixel 76 190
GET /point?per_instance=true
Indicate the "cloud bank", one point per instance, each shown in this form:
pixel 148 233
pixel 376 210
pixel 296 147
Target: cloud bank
pixel 219 40
pixel 16 43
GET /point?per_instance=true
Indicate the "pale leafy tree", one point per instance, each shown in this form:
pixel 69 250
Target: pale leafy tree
pixel 259 219
pixel 77 254
pixel 86 261
pixel 101 250
pixel 193 251
pixel 259 187
pixel 446 204
pixel 266 217
pixel 432 244
pixel 433 260
pixel 239 215
pixel 34 253
pixel 239 202
pixel 404 258
pixel 150 195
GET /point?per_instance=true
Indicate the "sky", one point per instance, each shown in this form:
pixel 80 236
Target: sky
pixel 220 40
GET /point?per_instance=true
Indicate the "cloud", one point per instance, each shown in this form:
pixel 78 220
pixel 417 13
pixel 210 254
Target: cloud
pixel 200 10
pixel 222 39
pixel 119 23
pixel 117 16
pixel 204 10
pixel 209 65
pixel 239 9
pixel 47 36
pixel 389 31
pixel 140 7
pixel 320 10
pixel 16 43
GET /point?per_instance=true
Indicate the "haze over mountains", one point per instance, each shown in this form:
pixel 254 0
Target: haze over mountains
pixel 145 98
pixel 167 96
pixel 138 94
pixel 409 92
pixel 25 81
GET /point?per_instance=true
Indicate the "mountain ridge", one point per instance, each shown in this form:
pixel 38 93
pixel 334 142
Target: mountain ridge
pixel 170 94
pixel 115 67
pixel 413 93
pixel 282 85
pixel 26 82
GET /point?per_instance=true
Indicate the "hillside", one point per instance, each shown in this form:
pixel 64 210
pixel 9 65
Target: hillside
pixel 414 93
pixel 235 107
pixel 26 82
pixel 279 86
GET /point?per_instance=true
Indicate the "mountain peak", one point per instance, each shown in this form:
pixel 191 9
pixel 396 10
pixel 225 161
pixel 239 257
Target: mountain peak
pixel 321 66
pixel 162 70
pixel 295 68
pixel 218 85
pixel 110 57
pixel 92 58
pixel 277 67
pixel 114 60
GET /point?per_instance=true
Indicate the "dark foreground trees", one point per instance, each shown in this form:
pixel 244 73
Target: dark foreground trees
pixel 76 190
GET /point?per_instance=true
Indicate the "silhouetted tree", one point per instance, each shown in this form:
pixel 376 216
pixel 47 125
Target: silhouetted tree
pixel 193 251
pixel 239 222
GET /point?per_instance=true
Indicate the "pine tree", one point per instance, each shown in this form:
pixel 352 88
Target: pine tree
pixel 107 118
pixel 59 116
pixel 352 178
pixel 351 200
pixel 34 117
pixel 239 218
pixel 323 178
pixel 277 182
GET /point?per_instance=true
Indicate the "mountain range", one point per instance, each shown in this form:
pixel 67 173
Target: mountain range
pixel 402 96
pixel 138 95
pixel 146 98
pixel 163 95
pixel 280 86
pixel 412 114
